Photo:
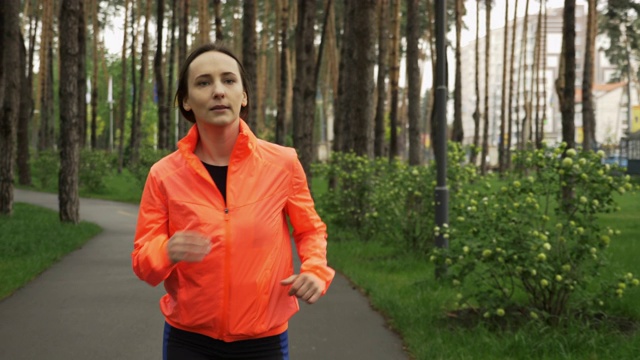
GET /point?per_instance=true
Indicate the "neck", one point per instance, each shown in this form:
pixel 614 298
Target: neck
pixel 215 143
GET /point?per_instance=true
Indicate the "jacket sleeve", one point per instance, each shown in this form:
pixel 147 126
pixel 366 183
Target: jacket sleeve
pixel 309 232
pixel 149 258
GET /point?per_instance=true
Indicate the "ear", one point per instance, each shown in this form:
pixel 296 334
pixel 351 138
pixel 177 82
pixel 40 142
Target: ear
pixel 185 104
pixel 244 99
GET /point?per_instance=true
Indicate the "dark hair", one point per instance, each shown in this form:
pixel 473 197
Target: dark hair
pixel 183 86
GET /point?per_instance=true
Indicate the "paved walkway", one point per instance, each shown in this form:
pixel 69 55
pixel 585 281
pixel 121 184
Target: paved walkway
pixel 90 305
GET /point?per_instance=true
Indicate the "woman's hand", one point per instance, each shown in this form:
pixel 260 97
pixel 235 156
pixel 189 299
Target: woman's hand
pixel 188 246
pixel 305 286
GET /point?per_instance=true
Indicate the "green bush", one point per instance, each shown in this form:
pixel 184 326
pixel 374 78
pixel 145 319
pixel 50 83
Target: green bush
pixel 45 169
pixel 148 157
pixel 388 201
pixel 95 167
pixel 531 247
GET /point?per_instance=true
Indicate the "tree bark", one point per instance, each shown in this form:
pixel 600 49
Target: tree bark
pixel 94 87
pixel 457 133
pixel 503 102
pixel 204 25
pixel 249 55
pixel 70 15
pixel 304 85
pixel 487 65
pixel 588 115
pixel 10 61
pixel 136 123
pixel 46 128
pixel 284 71
pixel 378 143
pixel 182 55
pixel 172 126
pixel 24 118
pixel 476 113
pixel 413 80
pixel 163 111
pixel 122 113
pixel 394 75
pixel 567 88
pixel 567 104
pixel 82 78
pixel 218 20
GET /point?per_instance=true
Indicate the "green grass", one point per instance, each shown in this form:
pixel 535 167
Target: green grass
pixel 402 287
pixel 122 187
pixel 33 239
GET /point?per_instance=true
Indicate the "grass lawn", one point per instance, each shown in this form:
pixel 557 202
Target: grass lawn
pixel 401 285
pixel 32 240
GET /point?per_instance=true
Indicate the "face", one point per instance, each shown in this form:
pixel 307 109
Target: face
pixel 215 92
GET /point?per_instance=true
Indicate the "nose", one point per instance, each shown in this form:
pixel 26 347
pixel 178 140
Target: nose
pixel 218 90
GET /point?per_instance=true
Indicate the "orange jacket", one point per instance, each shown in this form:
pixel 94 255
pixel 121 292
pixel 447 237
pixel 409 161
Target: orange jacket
pixel 235 292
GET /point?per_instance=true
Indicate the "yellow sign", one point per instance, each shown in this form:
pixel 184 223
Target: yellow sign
pixel 635 119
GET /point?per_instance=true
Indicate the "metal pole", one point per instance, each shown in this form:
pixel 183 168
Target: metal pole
pixel 441 191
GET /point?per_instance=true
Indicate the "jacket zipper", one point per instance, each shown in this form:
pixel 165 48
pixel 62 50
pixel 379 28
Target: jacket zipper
pixel 227 272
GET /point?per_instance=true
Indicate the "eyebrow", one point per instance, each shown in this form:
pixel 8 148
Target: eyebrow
pixel 226 73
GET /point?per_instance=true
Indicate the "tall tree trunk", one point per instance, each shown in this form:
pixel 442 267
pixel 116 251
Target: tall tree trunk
pixel 359 65
pixel 122 113
pixel 82 78
pixel 588 115
pixel 136 124
pixel 163 111
pixel 218 15
pixel 476 112
pixel 26 113
pixel 378 143
pixel 249 58
pixel 316 75
pixel 487 65
pixel 284 71
pixel 544 69
pixel 394 75
pixel 70 15
pixel 567 100
pixel 304 85
pixel 457 133
pixel 182 55
pixel 46 128
pixel 512 82
pixel 503 102
pixel 524 128
pixel 413 79
pixel 203 22
pixel 9 59
pixel 135 25
pixel 536 76
pixel 94 82
pixel 172 126
pixel 262 73
pixel 567 88
pixel 33 30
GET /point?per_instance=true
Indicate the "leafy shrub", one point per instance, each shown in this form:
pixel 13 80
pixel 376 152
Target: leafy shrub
pixel 45 169
pixel 148 157
pixel 527 248
pixel 95 166
pixel 389 201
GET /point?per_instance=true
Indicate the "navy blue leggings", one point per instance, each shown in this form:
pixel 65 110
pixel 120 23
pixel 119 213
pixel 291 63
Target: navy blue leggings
pixel 184 345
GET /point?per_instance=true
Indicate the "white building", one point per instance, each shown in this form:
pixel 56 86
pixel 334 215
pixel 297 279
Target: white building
pixel 610 107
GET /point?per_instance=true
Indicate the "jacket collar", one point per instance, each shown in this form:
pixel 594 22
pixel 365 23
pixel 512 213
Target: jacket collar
pixel 243 148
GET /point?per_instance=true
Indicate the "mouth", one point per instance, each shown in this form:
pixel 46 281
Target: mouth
pixel 219 108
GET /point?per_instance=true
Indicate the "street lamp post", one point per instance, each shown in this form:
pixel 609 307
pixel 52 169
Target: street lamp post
pixel 441 191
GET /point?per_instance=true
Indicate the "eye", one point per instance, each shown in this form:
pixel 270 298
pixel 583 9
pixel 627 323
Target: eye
pixel 201 83
pixel 229 81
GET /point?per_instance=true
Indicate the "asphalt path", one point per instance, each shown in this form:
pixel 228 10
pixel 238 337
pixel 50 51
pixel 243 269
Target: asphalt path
pixel 90 305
